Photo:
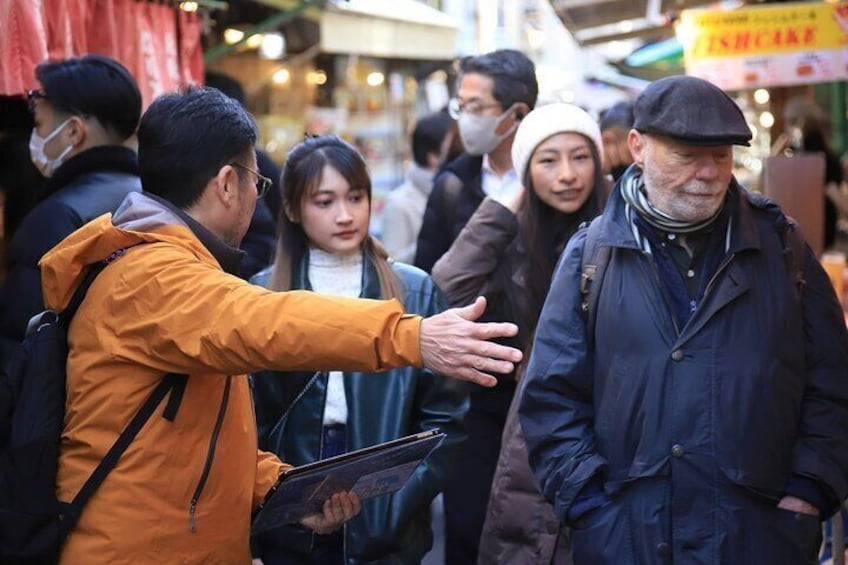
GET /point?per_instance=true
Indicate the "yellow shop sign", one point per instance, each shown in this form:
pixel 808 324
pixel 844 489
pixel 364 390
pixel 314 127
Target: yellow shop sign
pixel 766 45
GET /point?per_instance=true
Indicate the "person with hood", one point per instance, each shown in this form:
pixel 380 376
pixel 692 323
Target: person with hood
pixel 404 210
pixel 507 252
pixel 703 420
pixel 495 91
pixel 170 302
pixel 85 111
pixel 324 246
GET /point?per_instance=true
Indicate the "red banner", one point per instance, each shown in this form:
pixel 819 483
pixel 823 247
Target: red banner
pixel 23 44
pixel 191 51
pixel 159 45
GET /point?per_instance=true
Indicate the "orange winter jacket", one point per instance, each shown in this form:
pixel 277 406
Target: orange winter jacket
pixel 184 491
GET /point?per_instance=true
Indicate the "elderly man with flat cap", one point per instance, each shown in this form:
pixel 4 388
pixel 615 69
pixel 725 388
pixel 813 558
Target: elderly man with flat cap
pixel 691 408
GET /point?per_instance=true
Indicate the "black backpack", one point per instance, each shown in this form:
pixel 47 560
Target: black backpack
pixel 33 522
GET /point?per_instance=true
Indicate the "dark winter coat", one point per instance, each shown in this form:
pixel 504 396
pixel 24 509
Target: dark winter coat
pixel 697 434
pixel 457 191
pixel 488 259
pixel 381 407
pixel 86 186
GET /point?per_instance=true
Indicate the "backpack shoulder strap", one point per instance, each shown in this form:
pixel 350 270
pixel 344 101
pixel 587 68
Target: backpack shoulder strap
pixel 792 241
pixel 594 263
pixel 172 382
pixel 72 511
pixel 794 250
pixel 79 294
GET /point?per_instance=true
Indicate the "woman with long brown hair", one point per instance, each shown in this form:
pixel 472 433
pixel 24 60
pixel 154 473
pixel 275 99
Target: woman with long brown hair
pixel 324 246
pixel 508 252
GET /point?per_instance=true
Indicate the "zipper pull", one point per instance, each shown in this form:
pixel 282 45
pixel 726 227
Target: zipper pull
pixel 191 512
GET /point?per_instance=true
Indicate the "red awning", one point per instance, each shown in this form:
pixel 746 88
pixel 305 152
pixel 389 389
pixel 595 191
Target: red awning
pixel 160 45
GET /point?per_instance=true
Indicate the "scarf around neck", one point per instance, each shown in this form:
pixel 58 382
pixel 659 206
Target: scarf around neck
pixel 634 194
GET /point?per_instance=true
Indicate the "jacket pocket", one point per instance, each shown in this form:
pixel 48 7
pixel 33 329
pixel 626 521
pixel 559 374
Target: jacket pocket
pixel 754 530
pixel 600 535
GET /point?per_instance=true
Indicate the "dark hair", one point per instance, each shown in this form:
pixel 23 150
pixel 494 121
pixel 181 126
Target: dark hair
pixel 618 115
pixel 302 173
pixel 186 137
pixel 94 86
pixel 226 84
pixel 428 135
pixel 544 231
pixel 514 75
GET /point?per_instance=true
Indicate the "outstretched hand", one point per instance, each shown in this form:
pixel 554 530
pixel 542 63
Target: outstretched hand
pixel 455 345
pixel 338 509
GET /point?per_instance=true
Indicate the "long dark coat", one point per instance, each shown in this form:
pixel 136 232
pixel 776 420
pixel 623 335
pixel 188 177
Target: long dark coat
pixel 697 433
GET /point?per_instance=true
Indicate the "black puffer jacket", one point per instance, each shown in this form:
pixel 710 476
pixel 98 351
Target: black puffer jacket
pixel 86 186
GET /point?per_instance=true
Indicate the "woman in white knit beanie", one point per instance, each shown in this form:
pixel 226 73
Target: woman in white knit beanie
pixel 508 252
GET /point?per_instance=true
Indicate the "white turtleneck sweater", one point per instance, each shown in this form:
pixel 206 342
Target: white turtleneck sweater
pixel 335 275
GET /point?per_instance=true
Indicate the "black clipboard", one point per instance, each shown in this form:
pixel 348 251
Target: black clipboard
pixel 369 472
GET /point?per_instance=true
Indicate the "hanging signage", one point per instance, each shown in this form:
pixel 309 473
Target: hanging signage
pixel 770 45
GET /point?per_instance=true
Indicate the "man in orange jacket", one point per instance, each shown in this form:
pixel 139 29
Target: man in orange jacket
pixel 184 490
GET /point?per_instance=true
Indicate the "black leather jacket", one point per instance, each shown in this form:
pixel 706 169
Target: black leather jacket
pixel 381 407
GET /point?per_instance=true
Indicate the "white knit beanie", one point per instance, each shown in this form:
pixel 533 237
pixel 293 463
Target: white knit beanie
pixel 546 121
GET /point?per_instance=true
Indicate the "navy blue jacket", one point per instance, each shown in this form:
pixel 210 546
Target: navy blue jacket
pixel 694 435
pixel 86 186
pixel 381 407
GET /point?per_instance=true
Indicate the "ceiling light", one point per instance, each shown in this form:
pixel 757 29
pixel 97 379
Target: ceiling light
pixel 273 46
pixel 254 41
pixel 375 79
pixel 233 35
pixel 281 76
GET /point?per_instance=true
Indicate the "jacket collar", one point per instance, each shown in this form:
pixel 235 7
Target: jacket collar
pixel 101 158
pixel 370 281
pixel 228 257
pixel 744 235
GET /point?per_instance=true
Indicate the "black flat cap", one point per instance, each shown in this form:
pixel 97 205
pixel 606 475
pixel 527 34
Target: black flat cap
pixel 692 111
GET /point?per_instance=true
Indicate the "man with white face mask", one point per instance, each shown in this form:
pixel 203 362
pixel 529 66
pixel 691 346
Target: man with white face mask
pixel 84 113
pixel 495 91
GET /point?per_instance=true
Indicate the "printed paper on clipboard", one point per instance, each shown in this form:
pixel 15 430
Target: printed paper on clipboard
pixel 369 472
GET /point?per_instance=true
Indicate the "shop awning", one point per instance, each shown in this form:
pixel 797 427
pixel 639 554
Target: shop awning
pixel 401 29
pixel 599 21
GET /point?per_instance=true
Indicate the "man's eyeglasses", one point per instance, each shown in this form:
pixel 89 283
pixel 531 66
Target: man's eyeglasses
pixel 262 183
pixel 475 108
pixel 34 96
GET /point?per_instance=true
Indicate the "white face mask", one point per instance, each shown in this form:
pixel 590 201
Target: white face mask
pixel 478 132
pixel 44 164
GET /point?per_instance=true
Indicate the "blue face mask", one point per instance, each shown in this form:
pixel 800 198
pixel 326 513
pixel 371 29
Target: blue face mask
pixel 42 162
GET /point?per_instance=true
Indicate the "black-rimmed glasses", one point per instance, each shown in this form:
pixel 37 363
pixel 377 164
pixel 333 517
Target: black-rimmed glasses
pixel 263 184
